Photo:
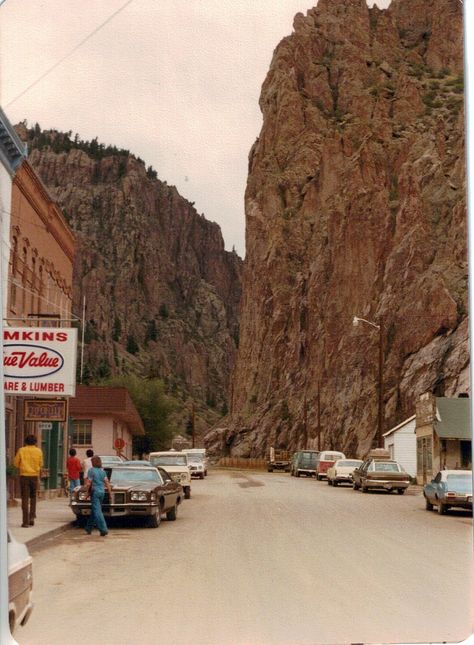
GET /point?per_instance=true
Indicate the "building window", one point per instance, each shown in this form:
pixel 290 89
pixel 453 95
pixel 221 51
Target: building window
pixel 82 432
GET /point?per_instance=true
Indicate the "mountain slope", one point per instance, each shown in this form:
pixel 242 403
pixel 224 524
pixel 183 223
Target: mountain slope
pixel 355 205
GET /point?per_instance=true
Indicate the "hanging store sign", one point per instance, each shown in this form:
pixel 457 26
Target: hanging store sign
pixel 48 410
pixel 40 361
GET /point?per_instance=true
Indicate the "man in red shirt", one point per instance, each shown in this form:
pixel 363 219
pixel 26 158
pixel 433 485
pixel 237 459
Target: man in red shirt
pixel 73 466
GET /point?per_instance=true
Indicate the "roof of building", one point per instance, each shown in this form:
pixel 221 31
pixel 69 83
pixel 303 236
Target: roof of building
pixel 453 418
pixel 400 426
pixel 106 400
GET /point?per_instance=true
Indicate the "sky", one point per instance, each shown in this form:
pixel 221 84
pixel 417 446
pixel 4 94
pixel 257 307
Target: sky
pixel 176 82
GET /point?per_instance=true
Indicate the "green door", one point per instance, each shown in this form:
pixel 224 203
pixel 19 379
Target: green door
pixel 52 446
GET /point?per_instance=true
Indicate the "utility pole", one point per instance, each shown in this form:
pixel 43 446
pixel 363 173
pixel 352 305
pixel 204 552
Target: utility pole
pixel 192 421
pixel 305 421
pixel 319 416
pixel 380 392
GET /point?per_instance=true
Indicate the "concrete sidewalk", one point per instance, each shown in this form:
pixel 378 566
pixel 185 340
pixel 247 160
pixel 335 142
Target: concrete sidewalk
pixel 53 517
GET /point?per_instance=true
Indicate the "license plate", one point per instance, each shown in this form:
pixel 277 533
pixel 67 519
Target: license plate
pixel 86 511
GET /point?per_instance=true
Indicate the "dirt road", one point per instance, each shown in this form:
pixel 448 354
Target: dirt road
pixel 262 559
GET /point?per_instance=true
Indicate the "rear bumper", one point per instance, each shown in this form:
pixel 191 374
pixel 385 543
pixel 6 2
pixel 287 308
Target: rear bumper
pixel 385 484
pixel 344 478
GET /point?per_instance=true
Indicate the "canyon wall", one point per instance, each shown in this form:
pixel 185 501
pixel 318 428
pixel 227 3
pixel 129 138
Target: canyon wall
pixel 355 206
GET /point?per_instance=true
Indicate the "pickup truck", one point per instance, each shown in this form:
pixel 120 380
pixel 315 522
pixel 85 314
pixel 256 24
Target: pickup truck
pixel 278 460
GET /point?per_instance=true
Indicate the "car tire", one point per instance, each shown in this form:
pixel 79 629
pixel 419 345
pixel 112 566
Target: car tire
pixel 270 470
pixel 364 489
pixel 355 486
pixel 318 477
pixel 153 521
pixel 329 482
pixel 187 492
pixel 428 505
pixel 334 482
pixel 201 475
pixel 442 508
pixel 297 474
pixel 401 491
pixel 172 514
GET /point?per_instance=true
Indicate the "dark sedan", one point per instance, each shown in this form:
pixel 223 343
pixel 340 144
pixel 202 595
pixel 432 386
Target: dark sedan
pixel 138 491
pixel 380 474
pixel 449 489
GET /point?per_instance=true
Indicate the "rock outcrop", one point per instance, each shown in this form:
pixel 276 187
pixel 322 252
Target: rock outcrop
pixel 355 206
pixel 162 293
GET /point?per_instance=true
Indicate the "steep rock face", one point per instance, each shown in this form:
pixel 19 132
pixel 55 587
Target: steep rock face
pixel 355 205
pixel 162 294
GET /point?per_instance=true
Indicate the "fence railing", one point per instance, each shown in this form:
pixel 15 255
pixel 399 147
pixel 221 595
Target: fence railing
pixel 242 462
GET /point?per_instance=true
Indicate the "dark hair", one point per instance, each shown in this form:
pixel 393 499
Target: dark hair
pixel 31 440
pixel 72 452
pixel 89 453
pixel 97 461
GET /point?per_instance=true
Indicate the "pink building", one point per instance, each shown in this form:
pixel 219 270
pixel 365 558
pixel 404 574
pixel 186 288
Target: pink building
pixel 101 415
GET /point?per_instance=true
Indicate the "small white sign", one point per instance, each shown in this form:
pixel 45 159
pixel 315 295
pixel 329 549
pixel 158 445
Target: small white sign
pixel 40 361
pixel 45 425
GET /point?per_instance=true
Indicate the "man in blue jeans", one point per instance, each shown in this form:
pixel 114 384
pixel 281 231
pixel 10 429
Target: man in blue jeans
pixel 97 481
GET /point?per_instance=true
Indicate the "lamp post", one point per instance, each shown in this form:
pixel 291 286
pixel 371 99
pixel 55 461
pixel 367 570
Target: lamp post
pixel 356 320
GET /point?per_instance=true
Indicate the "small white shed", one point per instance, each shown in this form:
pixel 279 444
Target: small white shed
pixel 400 441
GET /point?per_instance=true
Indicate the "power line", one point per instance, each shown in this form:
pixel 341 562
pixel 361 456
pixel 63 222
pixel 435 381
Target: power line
pixel 72 51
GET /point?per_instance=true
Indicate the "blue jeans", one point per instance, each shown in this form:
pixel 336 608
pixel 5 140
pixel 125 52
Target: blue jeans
pixel 72 484
pixel 96 518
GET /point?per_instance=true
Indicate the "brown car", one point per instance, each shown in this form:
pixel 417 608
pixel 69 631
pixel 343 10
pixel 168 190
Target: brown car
pixel 384 474
pixel 137 491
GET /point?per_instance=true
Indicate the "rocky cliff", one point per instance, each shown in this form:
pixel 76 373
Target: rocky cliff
pixel 162 294
pixel 355 206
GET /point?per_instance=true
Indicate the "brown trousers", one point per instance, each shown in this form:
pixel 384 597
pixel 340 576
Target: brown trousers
pixel 29 490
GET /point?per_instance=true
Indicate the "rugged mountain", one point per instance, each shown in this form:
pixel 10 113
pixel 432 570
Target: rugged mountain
pixel 162 294
pixel 355 205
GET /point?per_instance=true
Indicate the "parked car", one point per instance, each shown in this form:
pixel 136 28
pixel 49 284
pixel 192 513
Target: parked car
pixel 111 460
pixel 202 452
pixel 176 464
pixel 304 463
pixel 196 464
pixel 325 460
pixel 384 474
pixel 341 471
pixel 20 583
pixel 449 489
pixel 137 491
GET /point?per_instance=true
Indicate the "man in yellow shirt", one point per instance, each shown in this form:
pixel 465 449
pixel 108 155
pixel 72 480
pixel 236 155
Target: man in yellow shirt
pixel 29 461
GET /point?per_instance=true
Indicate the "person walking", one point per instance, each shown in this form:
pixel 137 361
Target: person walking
pixel 97 481
pixel 73 466
pixel 87 463
pixel 29 461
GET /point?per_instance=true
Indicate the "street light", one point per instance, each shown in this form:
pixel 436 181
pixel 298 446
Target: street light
pixel 355 321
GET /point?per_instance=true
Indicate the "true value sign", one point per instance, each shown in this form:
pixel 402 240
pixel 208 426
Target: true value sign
pixel 40 361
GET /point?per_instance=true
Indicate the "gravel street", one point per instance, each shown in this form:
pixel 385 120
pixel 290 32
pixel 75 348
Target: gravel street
pixel 262 559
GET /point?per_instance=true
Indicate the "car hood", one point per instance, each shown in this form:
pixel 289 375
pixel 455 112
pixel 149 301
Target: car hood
pixel 127 486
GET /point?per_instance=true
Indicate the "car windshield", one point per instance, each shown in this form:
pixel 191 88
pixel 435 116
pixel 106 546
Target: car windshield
pixel 349 464
pixel 111 459
pixel 331 457
pixel 386 467
pixel 169 460
pixel 195 457
pixel 120 475
pixel 460 482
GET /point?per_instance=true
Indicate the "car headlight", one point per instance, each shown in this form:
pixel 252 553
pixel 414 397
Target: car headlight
pixel 153 497
pixel 82 496
pixel 138 496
